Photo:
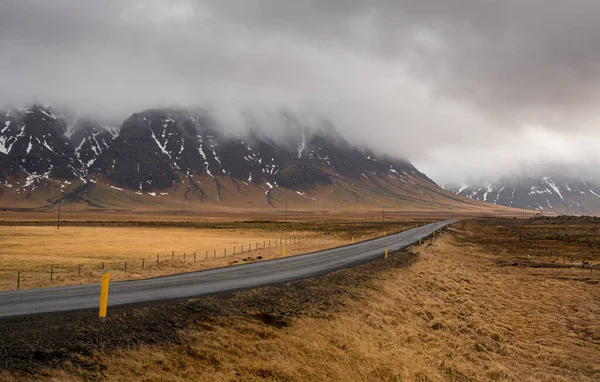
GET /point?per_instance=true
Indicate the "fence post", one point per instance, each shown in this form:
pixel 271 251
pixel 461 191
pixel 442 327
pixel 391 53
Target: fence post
pixel 269 243
pixel 184 257
pixel 143 263
pixel 172 255
pixel 215 254
pixel 242 248
pixel 102 265
pixel 51 273
pixel 194 257
pixel 225 252
pixel 125 267
pixel 234 249
pixel 79 270
pixel 18 279
pixel 104 294
pixel 206 255
pixel 157 258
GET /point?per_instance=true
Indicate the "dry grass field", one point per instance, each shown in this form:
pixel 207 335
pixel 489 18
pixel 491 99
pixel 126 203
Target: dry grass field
pixel 560 240
pixel 457 313
pixel 454 315
pixel 74 213
pixel 35 251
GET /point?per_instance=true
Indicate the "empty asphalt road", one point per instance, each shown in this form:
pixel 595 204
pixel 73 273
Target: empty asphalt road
pixel 203 283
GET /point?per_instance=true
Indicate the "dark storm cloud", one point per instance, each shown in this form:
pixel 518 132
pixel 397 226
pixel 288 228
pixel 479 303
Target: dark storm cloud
pixel 445 82
pixel 533 57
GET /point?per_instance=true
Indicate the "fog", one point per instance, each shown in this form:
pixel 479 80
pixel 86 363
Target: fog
pixel 462 88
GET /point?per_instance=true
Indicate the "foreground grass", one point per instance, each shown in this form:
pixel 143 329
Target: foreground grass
pixel 455 314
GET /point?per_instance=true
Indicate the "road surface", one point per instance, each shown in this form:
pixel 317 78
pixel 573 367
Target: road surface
pixel 203 283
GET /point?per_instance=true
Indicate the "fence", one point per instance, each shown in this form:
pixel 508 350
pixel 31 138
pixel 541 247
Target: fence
pixel 172 259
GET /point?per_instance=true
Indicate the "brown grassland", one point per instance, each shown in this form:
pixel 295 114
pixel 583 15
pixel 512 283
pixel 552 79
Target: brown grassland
pixel 35 251
pixel 454 309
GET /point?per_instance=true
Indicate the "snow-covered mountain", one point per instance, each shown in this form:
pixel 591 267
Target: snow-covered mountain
pixel 558 194
pixel 34 147
pixel 186 156
pixel 90 139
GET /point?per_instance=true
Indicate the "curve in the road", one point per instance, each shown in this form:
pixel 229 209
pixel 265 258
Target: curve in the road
pixel 203 283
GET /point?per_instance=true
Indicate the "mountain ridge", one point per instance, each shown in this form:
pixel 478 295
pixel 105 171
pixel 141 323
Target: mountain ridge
pixel 557 194
pixel 181 157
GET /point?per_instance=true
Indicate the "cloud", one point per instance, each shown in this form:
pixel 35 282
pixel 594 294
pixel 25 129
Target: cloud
pixel 454 85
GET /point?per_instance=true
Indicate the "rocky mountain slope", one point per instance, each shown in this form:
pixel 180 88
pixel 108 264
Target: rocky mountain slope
pixel 169 157
pixel 557 194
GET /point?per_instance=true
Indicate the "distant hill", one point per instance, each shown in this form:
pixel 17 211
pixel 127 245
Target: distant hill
pixel 557 194
pixel 165 158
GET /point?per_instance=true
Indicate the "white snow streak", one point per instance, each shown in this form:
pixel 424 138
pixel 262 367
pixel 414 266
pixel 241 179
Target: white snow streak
pixel 489 189
pixel 550 183
pixel 302 145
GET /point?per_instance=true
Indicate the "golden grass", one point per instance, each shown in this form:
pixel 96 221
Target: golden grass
pixel 33 250
pixel 455 315
pixel 72 212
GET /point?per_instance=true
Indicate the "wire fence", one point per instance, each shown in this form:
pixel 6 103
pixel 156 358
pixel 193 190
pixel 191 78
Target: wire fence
pixel 173 259
pixel 148 266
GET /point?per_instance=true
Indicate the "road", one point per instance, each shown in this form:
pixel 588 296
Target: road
pixel 203 283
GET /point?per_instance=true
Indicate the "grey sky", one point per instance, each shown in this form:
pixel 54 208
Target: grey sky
pixel 461 87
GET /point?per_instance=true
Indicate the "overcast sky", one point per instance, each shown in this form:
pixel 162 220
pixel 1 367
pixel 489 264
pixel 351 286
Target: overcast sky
pixel 463 88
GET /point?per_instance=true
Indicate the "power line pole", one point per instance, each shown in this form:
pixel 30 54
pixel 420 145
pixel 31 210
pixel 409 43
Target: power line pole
pixel 285 217
pixel 58 218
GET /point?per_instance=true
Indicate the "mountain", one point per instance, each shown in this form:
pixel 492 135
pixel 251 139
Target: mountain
pixel 170 158
pixel 556 194
pixel 34 149
pixel 90 139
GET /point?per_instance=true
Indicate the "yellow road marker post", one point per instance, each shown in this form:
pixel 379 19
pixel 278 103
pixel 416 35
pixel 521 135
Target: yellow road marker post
pixel 352 239
pixel 104 294
pixel 386 253
pixel 283 252
pixel 420 241
pixel 385 233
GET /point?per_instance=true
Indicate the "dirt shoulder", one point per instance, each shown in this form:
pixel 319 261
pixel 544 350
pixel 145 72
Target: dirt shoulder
pixel 448 310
